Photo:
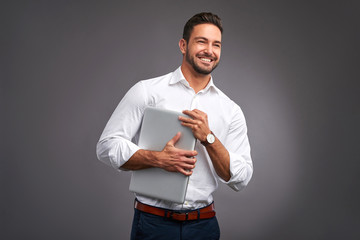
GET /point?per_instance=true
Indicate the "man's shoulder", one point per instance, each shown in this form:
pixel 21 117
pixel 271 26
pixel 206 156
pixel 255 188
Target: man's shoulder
pixel 224 97
pixel 227 104
pixel 163 79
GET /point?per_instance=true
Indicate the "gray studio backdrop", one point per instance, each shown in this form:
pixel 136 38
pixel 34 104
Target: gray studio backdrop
pixel 291 65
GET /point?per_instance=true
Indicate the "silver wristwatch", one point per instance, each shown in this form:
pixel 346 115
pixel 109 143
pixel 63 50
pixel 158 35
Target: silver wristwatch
pixel 210 139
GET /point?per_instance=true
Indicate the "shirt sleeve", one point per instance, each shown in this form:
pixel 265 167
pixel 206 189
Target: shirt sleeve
pixel 237 144
pixel 115 146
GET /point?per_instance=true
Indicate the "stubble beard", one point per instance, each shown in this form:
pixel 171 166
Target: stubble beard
pixel 196 67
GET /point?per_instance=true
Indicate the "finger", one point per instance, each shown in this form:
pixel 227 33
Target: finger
pixel 184 119
pixel 198 111
pixel 189 125
pixel 187 161
pixel 190 113
pixel 185 172
pixel 196 115
pixel 189 154
pixel 174 139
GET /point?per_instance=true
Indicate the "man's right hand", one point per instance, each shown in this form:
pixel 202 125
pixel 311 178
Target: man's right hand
pixel 171 159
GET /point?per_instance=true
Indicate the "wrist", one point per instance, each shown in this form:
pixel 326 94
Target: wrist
pixel 151 158
pixel 210 139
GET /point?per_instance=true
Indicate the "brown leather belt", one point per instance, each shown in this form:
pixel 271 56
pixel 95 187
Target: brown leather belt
pixel 202 213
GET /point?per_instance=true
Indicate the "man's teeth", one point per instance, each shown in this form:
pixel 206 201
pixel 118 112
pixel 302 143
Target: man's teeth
pixel 205 59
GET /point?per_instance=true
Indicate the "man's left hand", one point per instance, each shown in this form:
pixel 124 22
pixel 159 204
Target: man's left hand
pixel 198 124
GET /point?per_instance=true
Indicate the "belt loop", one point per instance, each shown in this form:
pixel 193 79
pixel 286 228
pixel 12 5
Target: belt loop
pixel 166 212
pixel 186 216
pixel 170 215
pixel 198 212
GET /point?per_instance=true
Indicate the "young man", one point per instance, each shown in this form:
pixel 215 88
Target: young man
pixel 223 150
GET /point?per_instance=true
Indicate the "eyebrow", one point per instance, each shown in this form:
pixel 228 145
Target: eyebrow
pixel 204 38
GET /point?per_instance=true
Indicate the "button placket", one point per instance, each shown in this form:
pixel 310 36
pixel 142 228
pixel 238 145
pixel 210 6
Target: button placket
pixel 195 102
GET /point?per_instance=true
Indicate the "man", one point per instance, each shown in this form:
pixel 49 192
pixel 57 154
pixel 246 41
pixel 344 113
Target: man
pixel 222 152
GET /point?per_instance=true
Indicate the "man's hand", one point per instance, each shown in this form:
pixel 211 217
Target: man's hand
pixel 198 124
pixel 219 156
pixel 173 159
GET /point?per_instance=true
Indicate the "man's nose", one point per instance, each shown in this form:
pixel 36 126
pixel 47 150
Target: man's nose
pixel 208 49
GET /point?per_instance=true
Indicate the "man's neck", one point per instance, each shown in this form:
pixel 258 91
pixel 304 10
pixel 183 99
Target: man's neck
pixel 196 80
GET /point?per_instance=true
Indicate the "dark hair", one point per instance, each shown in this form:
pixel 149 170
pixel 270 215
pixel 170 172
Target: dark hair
pixel 200 18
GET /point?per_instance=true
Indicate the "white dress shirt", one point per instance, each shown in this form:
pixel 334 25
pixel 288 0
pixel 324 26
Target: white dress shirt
pixel 171 91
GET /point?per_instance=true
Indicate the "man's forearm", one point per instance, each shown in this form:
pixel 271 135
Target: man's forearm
pixel 220 158
pixel 219 155
pixel 170 158
pixel 141 159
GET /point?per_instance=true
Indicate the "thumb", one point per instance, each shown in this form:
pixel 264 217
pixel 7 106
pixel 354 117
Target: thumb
pixel 174 139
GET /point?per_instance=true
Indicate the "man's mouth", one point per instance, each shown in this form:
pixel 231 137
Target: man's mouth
pixel 206 60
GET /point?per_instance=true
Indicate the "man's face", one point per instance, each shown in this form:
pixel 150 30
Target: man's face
pixel 204 48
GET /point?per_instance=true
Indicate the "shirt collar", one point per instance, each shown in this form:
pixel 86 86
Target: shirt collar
pixel 178 77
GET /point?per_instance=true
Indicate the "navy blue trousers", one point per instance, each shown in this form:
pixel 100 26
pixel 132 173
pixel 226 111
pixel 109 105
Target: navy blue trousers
pixel 147 226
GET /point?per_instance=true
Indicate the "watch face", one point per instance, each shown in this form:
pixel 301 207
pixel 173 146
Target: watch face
pixel 210 138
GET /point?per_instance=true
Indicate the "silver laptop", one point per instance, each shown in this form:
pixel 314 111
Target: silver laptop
pixel 158 127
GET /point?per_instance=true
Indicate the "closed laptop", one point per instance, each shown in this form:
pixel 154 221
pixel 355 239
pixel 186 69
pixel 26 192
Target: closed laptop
pixel 158 127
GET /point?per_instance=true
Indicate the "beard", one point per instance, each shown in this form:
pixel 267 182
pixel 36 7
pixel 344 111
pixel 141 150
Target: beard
pixel 199 69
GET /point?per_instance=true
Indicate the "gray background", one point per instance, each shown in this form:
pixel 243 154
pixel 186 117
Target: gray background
pixel 293 67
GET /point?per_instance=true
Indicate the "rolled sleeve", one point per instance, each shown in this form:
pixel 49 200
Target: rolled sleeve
pixel 115 152
pixel 240 170
pixel 115 146
pixel 237 144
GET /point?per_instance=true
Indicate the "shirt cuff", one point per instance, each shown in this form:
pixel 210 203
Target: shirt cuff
pixel 122 153
pixel 240 172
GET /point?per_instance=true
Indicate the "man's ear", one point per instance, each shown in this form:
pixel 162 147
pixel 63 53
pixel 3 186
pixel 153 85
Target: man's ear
pixel 182 45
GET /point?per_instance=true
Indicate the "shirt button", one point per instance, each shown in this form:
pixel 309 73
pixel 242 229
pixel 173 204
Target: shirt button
pixel 194 102
pixel 186 203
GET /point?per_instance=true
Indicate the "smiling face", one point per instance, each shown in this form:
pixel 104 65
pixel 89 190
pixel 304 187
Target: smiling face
pixel 202 52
